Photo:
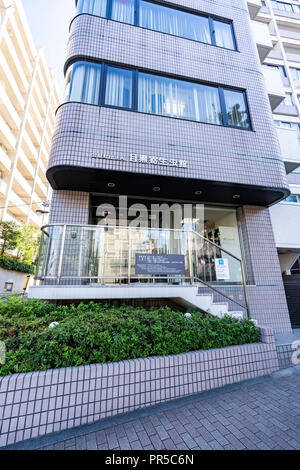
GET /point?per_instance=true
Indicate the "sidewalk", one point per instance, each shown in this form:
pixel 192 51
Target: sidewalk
pixel 262 413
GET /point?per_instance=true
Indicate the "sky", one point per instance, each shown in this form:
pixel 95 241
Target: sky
pixel 49 22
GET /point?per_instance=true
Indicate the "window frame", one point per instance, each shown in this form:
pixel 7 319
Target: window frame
pixel 136 22
pixel 135 84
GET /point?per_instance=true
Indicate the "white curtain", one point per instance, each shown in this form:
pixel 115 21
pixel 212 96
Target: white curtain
pixel 236 108
pixel 93 7
pixel 172 21
pixel 85 85
pixel 118 87
pixel 174 98
pixel 77 83
pixel 167 97
pixel 209 104
pixel 224 34
pixel 123 10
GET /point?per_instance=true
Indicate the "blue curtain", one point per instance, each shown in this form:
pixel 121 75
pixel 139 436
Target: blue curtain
pixel 172 21
pixel 85 84
pixel 236 109
pixel 224 34
pixel 119 87
pixel 93 7
pixel 123 10
pixel 175 98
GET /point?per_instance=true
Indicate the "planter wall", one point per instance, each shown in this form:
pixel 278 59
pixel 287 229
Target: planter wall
pixel 38 403
pixel 18 279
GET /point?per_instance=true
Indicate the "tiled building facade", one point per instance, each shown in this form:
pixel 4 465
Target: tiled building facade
pixel 226 164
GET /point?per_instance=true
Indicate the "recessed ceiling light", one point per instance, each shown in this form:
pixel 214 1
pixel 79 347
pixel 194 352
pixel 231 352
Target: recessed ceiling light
pixel 198 193
pixel 236 196
pixel 111 185
pixel 156 189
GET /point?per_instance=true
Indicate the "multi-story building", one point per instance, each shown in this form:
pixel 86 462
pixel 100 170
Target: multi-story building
pixel 29 97
pixel 166 104
pixel 277 28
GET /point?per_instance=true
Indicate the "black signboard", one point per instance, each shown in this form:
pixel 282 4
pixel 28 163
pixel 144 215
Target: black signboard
pixel 159 264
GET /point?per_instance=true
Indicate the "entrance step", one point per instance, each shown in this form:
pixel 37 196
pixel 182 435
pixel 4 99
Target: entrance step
pixel 187 296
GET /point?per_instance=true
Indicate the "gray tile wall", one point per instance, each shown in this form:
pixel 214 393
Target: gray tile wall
pixel 212 152
pixel 40 403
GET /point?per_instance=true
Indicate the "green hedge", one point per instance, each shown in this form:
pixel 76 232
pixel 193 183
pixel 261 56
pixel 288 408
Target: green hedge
pixel 98 333
pixel 13 265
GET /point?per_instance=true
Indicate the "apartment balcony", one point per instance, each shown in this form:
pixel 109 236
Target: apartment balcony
pixel 28 169
pixel 254 6
pixel 7 109
pixel 11 85
pixel 290 148
pixel 274 86
pixel 6 135
pixel 3 188
pixel 21 185
pixel 286 110
pixel 5 161
pixel 262 38
pixel 30 149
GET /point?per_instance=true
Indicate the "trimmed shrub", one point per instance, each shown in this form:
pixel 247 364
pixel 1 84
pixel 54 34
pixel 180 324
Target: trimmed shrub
pixel 97 333
pixel 13 265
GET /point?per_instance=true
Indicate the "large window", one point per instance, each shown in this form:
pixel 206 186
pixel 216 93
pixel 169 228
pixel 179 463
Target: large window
pixel 93 7
pixel 155 94
pixel 290 7
pixel 86 83
pixel 118 87
pixel 164 19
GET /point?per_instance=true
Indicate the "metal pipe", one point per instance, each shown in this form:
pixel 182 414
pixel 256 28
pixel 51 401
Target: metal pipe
pixel 61 256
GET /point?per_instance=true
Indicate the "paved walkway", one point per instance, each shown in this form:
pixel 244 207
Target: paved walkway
pixel 258 414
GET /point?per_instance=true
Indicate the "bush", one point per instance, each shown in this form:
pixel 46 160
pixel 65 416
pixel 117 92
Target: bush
pixel 13 265
pixel 98 333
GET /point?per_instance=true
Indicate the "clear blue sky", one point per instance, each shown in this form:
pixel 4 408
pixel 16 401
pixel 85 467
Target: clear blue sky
pixel 49 22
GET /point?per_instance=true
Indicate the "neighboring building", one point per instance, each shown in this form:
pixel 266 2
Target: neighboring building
pixel 29 97
pixel 166 104
pixel 278 24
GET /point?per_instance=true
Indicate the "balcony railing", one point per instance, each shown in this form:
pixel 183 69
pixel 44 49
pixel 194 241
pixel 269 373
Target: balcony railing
pixel 106 255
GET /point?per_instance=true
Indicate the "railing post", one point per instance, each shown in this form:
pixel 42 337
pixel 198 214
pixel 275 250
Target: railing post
pixel 190 257
pixel 245 288
pixel 129 255
pixel 61 254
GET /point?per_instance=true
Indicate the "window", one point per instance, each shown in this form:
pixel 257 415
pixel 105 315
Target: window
pixel 289 125
pixel 295 73
pixel 236 109
pixel 288 100
pixel 118 87
pixel 289 7
pixel 156 94
pixel 281 69
pixel 93 7
pixel 293 198
pixel 164 19
pixel 86 83
pixel 175 22
pixel 224 34
pixel 123 10
pixel 176 98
